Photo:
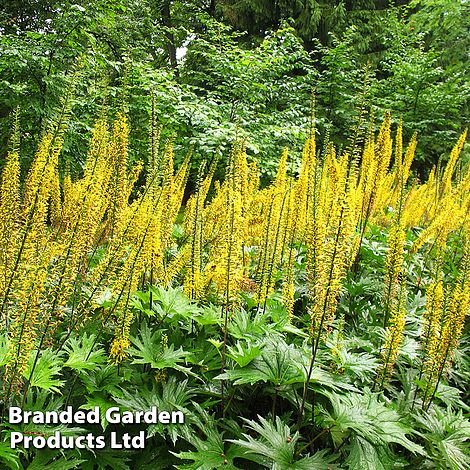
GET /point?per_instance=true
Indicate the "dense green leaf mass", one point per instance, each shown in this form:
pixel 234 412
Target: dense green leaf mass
pixel 215 71
pixel 222 69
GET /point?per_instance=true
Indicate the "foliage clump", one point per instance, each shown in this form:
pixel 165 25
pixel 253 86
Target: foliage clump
pixel 314 322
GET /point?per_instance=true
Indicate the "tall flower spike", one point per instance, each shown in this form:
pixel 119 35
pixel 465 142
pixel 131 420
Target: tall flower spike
pixel 393 337
pixel 9 208
pixel 193 281
pixel 27 279
pixel 442 343
pixel 119 188
pixel 446 182
pixel 409 157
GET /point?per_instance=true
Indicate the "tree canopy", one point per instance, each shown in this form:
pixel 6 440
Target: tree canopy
pixel 225 68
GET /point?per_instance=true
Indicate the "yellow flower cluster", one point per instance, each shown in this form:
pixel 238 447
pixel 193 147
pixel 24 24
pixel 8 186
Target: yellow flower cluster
pixel 237 235
pixel 446 310
pixel 9 210
pixel 26 241
pixel 118 351
pixel 393 340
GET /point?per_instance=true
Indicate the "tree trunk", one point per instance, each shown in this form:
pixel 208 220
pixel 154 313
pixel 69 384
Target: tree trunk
pixel 212 8
pixel 170 45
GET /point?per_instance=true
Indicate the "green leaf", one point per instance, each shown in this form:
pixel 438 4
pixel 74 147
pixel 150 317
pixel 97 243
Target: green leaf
pixel 210 449
pixel 83 354
pixel 3 350
pixel 243 354
pixel 362 365
pixel 150 350
pixel 53 460
pixel 370 419
pixel 171 396
pixel 277 445
pixel 103 378
pixel 366 456
pixel 172 302
pixel 46 370
pixel 281 364
pixel 274 365
pixel 209 315
pixel 243 326
pixel 102 403
pixel 106 459
pixel 447 435
pixel 9 457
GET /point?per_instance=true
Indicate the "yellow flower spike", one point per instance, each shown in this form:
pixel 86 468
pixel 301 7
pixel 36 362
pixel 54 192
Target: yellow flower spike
pixel 331 224
pixel 25 316
pixel 409 156
pixel 444 318
pixel 393 339
pixel 55 203
pixel 118 350
pixel 281 175
pixel 446 182
pixel 9 210
pixel 288 296
pixel 194 226
pixel 119 186
pixel 393 268
pixel 399 151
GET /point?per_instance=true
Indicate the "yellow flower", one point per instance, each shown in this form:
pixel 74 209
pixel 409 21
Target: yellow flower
pixel 118 351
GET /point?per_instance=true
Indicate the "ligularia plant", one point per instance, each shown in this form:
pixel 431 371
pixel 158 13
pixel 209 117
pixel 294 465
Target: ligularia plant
pixel 333 299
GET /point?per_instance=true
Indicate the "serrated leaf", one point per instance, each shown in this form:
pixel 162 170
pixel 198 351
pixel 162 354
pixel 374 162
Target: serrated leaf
pixel 277 445
pixel 210 315
pixel 172 302
pixel 149 350
pixel 210 449
pixel 174 396
pixel 366 456
pixel 104 378
pixel 45 373
pixel 364 415
pixel 447 435
pixel 9 457
pixel 47 460
pixel 106 458
pixel 83 354
pixel 243 353
pixel 281 364
pixel 102 403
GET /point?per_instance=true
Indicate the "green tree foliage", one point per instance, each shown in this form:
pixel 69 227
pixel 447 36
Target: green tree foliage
pixel 312 19
pixel 44 43
pixel 212 84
